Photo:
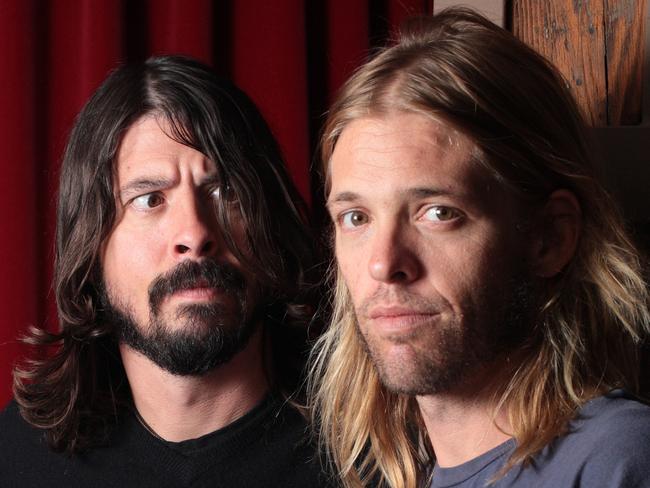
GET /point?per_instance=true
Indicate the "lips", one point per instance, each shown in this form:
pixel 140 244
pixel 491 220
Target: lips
pixel 198 280
pixel 393 319
pixel 201 290
pixel 398 311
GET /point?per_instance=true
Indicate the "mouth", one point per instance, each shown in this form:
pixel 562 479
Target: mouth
pixel 199 282
pixel 399 319
pixel 199 291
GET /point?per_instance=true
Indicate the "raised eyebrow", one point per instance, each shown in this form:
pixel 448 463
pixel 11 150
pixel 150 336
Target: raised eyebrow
pixel 144 184
pixel 342 197
pixel 152 184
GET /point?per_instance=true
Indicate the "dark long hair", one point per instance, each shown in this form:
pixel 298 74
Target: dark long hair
pixel 75 390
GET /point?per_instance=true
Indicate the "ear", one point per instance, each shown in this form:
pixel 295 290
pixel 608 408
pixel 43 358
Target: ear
pixel 559 224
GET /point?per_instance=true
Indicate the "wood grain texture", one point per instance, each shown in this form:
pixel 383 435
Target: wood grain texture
pixel 625 43
pixel 570 34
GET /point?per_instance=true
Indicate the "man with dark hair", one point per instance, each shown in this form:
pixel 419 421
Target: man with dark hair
pixel 488 304
pixel 182 263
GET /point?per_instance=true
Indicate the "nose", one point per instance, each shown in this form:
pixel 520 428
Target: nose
pixel 393 260
pixel 195 225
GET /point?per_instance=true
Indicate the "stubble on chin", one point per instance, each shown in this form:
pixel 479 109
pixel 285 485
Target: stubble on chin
pixel 418 363
pixel 444 355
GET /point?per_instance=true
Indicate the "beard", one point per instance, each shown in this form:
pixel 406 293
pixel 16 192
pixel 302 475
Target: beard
pixel 211 333
pixel 445 353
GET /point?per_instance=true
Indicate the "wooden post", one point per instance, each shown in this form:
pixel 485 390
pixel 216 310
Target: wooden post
pixel 598 45
pixel 570 34
pixel 624 40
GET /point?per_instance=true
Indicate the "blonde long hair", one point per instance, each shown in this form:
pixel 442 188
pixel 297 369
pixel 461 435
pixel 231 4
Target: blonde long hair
pixel 459 68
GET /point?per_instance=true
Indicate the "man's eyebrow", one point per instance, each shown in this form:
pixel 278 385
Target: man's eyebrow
pixel 345 196
pixel 424 192
pixel 155 183
pixel 417 192
pixel 212 179
pixel 144 184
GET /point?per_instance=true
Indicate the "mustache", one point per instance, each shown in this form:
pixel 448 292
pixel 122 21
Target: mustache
pixel 190 274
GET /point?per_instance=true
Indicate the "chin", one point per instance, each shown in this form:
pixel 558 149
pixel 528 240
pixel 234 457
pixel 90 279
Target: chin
pixel 406 369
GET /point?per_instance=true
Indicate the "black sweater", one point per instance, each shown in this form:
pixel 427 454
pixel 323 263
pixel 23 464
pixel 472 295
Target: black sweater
pixel 267 447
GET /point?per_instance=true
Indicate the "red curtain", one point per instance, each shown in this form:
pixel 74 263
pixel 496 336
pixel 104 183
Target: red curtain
pixel 290 56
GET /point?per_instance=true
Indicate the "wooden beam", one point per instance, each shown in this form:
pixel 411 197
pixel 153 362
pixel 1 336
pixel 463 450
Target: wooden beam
pixel 625 39
pixel 570 34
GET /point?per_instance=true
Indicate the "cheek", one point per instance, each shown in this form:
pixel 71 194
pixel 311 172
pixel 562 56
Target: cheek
pixel 353 270
pixel 493 265
pixel 129 261
pixel 348 261
pixel 459 268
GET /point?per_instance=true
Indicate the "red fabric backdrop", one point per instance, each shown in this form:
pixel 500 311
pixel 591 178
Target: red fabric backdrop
pixel 289 55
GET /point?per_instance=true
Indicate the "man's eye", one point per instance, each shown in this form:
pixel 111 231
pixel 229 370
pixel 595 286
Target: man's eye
pixel 224 193
pixel 441 214
pixel 147 201
pixel 353 219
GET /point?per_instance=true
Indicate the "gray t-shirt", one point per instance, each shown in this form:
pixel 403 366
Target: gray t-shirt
pixel 608 445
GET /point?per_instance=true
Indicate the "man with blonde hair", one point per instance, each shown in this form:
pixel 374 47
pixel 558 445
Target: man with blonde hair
pixel 488 303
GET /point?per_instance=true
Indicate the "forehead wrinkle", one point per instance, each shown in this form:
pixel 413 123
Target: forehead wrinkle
pixel 438 143
pixel 373 147
pixel 153 182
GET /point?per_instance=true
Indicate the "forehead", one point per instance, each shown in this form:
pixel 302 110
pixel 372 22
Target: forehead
pixel 146 147
pixel 402 151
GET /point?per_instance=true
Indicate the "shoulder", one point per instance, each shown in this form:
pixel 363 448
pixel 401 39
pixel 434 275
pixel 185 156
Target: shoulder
pixel 285 428
pixel 617 416
pixel 288 454
pixel 609 441
pixel 23 446
pixel 15 431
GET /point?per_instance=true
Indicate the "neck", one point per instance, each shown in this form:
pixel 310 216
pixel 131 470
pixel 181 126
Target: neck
pixel 177 408
pixel 465 423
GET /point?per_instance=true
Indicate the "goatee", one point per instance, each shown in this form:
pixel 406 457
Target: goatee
pixel 209 334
